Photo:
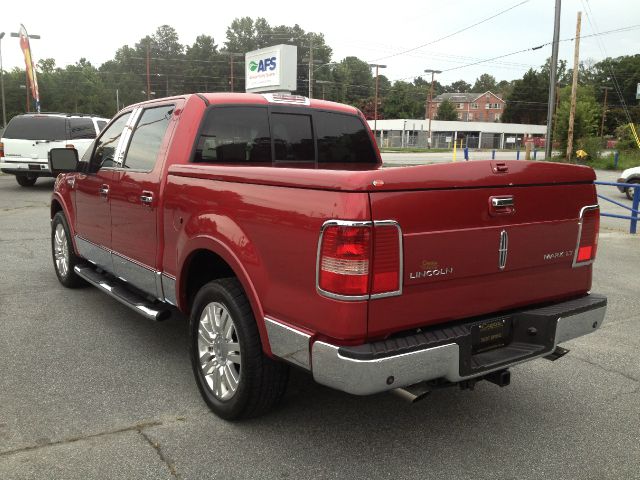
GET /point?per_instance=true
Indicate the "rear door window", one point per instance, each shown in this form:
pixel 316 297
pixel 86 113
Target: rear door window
pixel 292 137
pixel 147 138
pixel 235 135
pixel 343 139
pixel 36 127
pixel 81 128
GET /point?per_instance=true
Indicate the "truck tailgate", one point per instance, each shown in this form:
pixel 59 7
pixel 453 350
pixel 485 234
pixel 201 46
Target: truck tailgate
pixel 463 256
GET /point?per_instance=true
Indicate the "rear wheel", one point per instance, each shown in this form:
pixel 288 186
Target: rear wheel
pixel 236 379
pixel 26 180
pixel 629 190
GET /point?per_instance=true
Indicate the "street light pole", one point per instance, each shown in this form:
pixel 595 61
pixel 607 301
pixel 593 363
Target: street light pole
pixel 552 80
pixel 429 100
pixel 4 107
pixel 375 107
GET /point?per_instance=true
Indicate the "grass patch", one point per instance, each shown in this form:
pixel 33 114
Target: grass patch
pixel 627 159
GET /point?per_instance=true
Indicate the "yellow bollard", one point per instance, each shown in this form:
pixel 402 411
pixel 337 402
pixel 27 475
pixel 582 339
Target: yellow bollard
pixel 454 149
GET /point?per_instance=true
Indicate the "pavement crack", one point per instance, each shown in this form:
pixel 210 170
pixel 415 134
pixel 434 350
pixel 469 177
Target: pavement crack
pixel 158 449
pixel 133 428
pixel 608 370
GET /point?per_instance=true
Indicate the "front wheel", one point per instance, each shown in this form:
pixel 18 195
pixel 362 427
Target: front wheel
pixel 26 180
pixel 235 378
pixel 64 257
pixel 629 190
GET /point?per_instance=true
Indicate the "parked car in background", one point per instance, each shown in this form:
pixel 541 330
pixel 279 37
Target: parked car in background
pixel 27 139
pixel 632 177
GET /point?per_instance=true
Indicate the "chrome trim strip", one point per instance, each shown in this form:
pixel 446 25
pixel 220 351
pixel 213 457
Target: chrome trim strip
pixel 503 250
pixel 365 377
pixel 288 343
pixel 126 135
pixel 359 223
pixel 580 218
pixel 135 273
pixel 169 289
pixel 96 254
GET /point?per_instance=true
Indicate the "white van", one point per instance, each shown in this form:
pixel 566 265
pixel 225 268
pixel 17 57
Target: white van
pixel 25 143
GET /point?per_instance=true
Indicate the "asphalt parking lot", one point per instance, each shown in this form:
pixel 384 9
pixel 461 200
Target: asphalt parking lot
pixel 88 389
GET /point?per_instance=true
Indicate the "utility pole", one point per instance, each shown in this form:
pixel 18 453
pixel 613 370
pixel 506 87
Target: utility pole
pixel 148 78
pixel 552 80
pixel 428 105
pixel 117 101
pixel 231 57
pixel 604 111
pixel 310 66
pixel 323 83
pixel 375 107
pixel 574 88
pixel 4 107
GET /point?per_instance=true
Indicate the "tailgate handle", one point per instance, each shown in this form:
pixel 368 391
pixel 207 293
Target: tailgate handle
pixel 500 167
pixel 503 205
pixel 501 202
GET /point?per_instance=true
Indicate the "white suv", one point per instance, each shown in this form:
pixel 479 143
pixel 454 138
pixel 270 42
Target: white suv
pixel 26 141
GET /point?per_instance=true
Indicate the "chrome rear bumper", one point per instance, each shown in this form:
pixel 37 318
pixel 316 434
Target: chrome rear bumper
pixel 401 362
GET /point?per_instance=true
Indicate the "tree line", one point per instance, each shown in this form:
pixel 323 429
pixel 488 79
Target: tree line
pixel 207 66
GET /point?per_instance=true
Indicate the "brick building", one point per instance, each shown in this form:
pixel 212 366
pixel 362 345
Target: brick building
pixel 471 107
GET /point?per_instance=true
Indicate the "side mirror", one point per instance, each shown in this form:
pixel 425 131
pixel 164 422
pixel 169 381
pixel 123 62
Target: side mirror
pixel 63 160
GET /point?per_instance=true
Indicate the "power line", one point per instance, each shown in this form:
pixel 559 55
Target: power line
pixel 538 47
pixel 453 33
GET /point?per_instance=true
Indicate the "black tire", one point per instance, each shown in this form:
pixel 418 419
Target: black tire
pixel 67 276
pixel 629 190
pixel 26 180
pixel 261 382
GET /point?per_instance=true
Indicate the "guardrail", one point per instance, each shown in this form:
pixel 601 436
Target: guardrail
pixel 635 203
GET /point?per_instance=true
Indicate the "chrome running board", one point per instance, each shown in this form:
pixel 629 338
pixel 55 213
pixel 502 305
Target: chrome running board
pixel 156 311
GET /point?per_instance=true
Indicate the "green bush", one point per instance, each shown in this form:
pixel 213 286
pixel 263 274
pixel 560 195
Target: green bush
pixel 592 145
pixel 625 137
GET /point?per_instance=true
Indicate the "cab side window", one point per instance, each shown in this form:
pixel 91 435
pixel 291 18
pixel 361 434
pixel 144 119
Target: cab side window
pixel 105 152
pixel 147 138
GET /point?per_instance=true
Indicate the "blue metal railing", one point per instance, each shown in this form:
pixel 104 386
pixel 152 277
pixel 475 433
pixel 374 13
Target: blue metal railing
pixel 635 203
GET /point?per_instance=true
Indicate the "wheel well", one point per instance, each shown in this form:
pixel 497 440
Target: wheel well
pixel 55 208
pixel 202 267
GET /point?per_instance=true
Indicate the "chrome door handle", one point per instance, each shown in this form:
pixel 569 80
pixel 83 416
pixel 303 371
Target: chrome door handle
pixel 104 190
pixel 146 198
pixel 502 202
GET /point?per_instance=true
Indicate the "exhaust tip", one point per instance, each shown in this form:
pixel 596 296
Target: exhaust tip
pixel 412 393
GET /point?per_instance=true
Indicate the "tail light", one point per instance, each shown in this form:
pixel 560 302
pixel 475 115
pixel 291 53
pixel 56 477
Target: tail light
pixel 1 149
pixel 589 226
pixel 359 260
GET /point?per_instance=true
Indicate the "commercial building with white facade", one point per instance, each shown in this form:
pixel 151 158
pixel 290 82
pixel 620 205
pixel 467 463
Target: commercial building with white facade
pixel 414 133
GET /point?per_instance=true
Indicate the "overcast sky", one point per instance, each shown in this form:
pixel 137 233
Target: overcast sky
pixel 369 31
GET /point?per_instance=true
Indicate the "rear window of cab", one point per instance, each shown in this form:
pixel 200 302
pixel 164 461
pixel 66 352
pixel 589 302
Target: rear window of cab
pixel 252 134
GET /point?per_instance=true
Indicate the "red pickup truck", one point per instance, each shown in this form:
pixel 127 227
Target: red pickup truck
pixel 269 221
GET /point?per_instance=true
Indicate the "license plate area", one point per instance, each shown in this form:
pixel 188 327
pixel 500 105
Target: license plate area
pixel 491 334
